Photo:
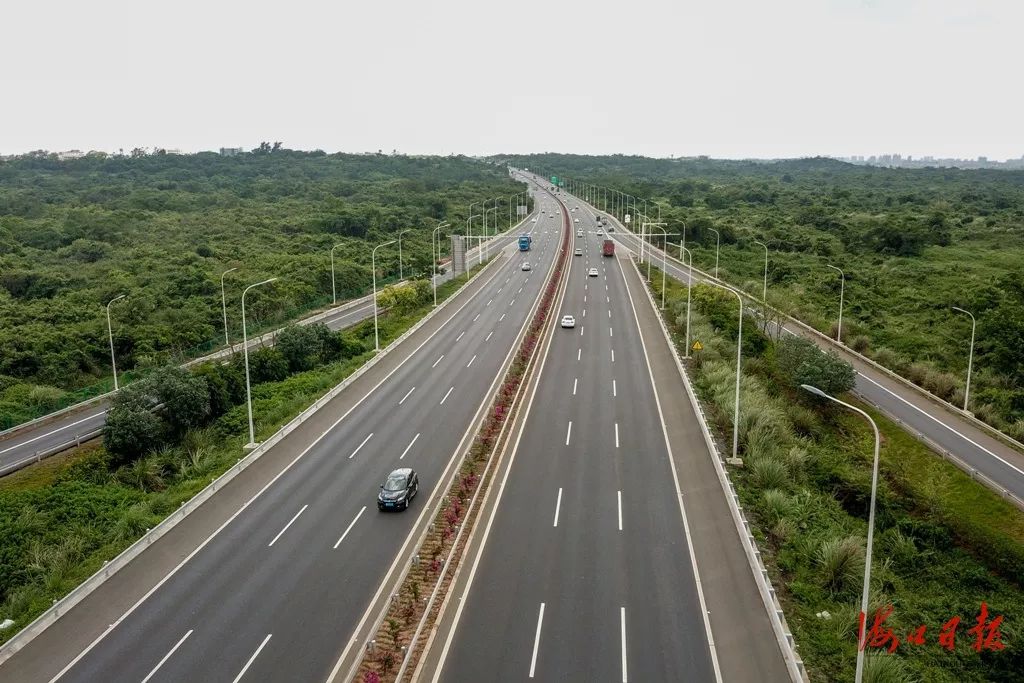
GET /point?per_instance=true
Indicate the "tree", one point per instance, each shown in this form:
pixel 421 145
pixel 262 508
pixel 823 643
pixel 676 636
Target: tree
pixel 184 396
pixel 800 361
pixel 131 428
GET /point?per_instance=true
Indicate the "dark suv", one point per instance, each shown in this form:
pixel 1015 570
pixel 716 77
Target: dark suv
pixel 398 489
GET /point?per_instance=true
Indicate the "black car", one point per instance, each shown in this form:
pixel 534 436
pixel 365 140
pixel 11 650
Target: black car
pixel 398 489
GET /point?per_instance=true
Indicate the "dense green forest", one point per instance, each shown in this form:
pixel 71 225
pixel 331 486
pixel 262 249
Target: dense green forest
pixel 911 242
pixel 162 229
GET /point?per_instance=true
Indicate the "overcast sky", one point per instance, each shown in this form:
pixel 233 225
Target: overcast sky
pixel 726 78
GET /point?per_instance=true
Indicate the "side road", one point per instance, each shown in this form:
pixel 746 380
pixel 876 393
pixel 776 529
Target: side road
pixel 80 626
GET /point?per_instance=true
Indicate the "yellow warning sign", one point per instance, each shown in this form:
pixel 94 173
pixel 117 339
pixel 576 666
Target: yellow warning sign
pixel 697 346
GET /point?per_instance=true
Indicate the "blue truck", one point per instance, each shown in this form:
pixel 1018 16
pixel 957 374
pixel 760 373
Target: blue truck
pixel 524 242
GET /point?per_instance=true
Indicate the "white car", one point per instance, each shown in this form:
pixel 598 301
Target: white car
pixel 534 220
pixel 599 233
pixel 579 233
pixel 526 265
pixel 568 321
pixel 577 220
pixel 578 252
pixel 592 272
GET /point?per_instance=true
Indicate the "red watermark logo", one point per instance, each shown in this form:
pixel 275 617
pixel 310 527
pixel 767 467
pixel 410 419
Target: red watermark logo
pixel 985 632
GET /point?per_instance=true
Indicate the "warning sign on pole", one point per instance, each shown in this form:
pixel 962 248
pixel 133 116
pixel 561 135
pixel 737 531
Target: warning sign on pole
pixel 697 346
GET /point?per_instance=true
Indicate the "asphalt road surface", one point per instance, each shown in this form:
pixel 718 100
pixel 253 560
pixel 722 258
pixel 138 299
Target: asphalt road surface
pixel 274 593
pixel 587 574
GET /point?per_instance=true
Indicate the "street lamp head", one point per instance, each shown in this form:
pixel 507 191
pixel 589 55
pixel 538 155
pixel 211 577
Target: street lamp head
pixel 814 390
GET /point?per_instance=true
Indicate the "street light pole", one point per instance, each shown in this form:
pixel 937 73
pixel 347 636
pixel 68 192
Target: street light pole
pixel 401 273
pixel 739 359
pixel 689 288
pixel 718 246
pixel 437 256
pixel 466 252
pixel 682 244
pixel 245 349
pixel 871 528
pixel 110 334
pixel 224 305
pixel 764 288
pixel 664 247
pixel 970 357
pixel 842 292
pixel 373 268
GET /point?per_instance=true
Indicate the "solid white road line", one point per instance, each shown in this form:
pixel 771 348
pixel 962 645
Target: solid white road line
pixel 536 640
pixel 54 431
pixel 620 510
pixel 622 619
pixel 360 446
pixel 409 446
pixel 574 381
pixel 279 533
pixel 614 389
pixel 353 522
pixel 251 659
pixel 471 360
pixel 168 655
pixel 461 335
pixel 437 361
pixel 558 506
pixel 501 318
pixel 616 434
pixel 407 395
pixel 446 397
pixel 568 433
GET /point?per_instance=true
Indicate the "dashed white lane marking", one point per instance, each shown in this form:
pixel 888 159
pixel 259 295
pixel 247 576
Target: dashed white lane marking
pixel 461 335
pixel 437 361
pixel 252 659
pixel 536 640
pixel 579 353
pixel 613 355
pixel 558 506
pixel 406 395
pixel 622 619
pixel 409 446
pixel 574 381
pixel 279 533
pixel 620 510
pixel 501 318
pixel 471 360
pixel 568 433
pixel 489 336
pixel 614 389
pixel 351 524
pixel 477 317
pixel 360 446
pixel 616 434
pixel 446 396
pixel 178 644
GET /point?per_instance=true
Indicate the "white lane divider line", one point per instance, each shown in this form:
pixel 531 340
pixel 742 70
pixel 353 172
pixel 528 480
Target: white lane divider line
pixel 609 314
pixel 558 506
pixel 446 396
pixel 409 446
pixel 574 381
pixel 461 334
pixel 501 288
pixel 584 313
pixel 501 318
pixel 616 434
pixel 568 433
pixel 581 330
pixel 613 355
pixel 610 332
pixel 584 298
pixel 178 644
pixel 488 338
pixel 614 390
pixel 252 659
pixel 608 300
pixel 477 317
pixel 620 510
pixel 490 301
pixel 510 303
pixel 579 353
pixel 352 523
pixel 407 395
pixel 437 361
pixel 520 291
pixel 536 640
pixel 471 360
pixel 292 520
pixel 360 446
pixel 622 619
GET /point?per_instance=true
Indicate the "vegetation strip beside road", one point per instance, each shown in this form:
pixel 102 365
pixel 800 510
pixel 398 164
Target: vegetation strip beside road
pixel 62 520
pixel 418 600
pixel 943 543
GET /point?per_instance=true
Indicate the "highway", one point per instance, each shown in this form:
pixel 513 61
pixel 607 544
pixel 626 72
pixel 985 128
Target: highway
pixel 943 429
pixel 22 445
pixel 586 570
pixel 268 580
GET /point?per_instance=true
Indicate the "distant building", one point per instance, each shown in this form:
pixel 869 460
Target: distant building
pixel 231 151
pixel 70 154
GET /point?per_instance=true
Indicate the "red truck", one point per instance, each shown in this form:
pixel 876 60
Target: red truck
pixel 608 248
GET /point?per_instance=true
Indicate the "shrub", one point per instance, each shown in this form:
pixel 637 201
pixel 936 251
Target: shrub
pixel 267 365
pixel 776 504
pixel 769 472
pixel 800 361
pixel 841 563
pixel 881 667
pixel 860 343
